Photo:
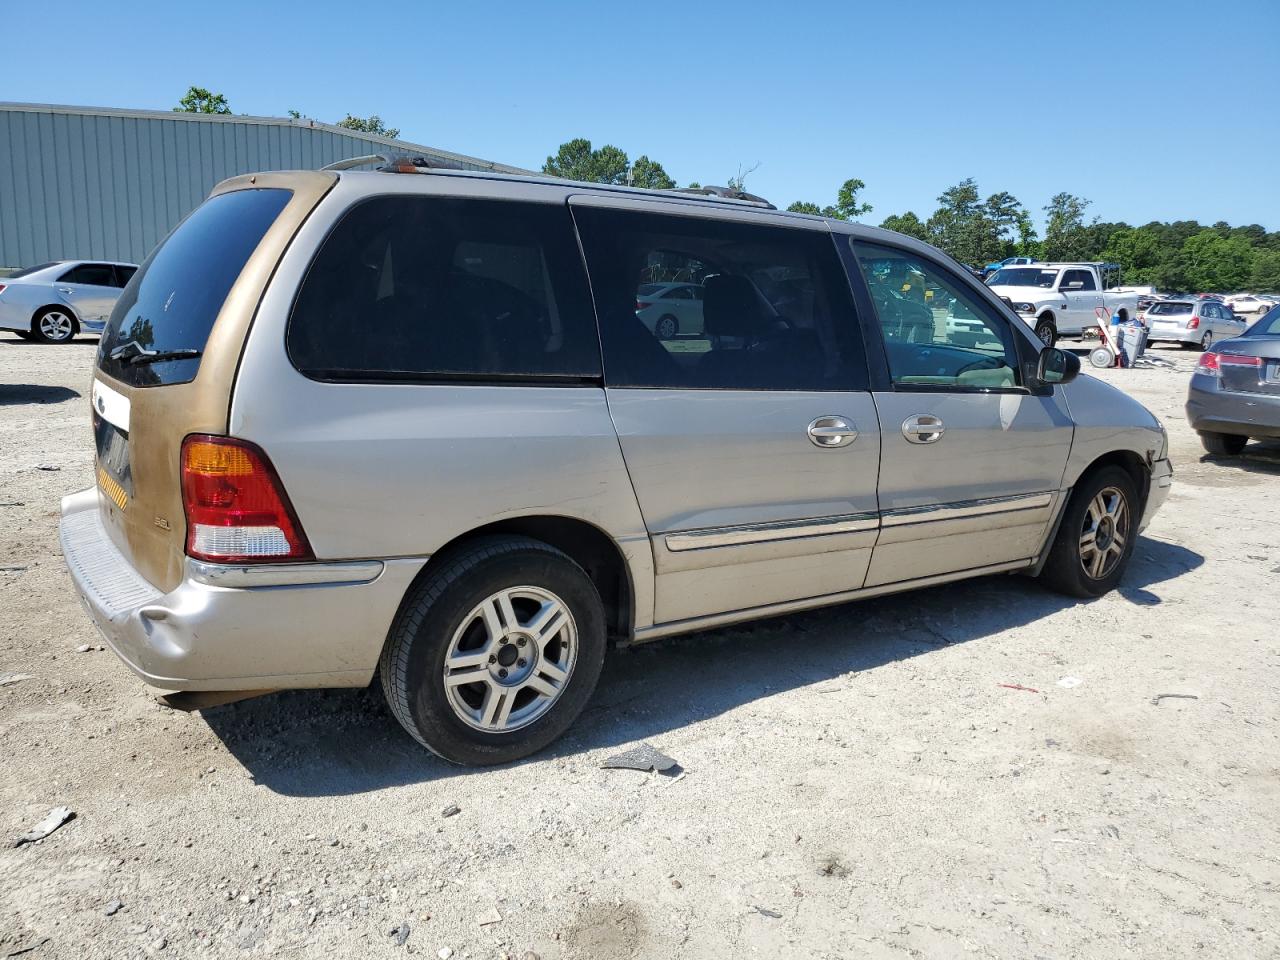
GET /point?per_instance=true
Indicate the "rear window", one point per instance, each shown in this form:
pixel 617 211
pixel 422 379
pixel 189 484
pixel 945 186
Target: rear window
pixel 27 271
pixel 170 304
pixel 431 288
pixel 1168 309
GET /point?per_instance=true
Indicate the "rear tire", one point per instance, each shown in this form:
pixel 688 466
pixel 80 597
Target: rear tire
pixel 1101 519
pixel 473 617
pixel 1223 444
pixel 667 327
pixel 53 325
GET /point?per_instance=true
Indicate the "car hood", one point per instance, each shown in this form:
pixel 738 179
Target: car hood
pixel 1023 294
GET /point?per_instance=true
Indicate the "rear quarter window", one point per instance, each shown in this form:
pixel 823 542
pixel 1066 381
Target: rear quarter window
pixel 440 288
pixel 170 304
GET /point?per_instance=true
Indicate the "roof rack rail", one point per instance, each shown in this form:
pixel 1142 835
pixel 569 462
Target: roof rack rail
pixel 395 163
pixel 724 193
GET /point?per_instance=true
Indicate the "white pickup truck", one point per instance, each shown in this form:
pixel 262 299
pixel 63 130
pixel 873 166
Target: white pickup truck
pixel 1060 299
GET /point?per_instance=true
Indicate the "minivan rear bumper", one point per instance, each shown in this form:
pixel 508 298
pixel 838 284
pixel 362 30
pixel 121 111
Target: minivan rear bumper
pixel 230 627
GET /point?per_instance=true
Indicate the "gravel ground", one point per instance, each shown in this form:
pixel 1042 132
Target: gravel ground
pixel 872 780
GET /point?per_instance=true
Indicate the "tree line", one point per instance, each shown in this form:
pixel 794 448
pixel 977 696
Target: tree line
pixel 1177 255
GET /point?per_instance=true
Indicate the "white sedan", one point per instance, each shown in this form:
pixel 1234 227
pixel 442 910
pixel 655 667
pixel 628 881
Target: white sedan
pixel 670 309
pixel 1248 303
pixel 54 301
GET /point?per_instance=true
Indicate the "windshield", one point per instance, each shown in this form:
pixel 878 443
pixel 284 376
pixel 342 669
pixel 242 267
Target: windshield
pixel 1023 277
pixel 1168 309
pixel 170 305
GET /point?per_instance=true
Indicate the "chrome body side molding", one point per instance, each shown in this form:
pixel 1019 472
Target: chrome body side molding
pixel 965 509
pixel 767 532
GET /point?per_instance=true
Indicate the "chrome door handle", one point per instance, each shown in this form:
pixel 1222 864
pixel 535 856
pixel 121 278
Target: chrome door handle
pixel 828 432
pixel 923 428
pixel 66 290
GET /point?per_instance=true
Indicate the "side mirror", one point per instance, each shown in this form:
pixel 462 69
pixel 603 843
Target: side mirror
pixel 1057 366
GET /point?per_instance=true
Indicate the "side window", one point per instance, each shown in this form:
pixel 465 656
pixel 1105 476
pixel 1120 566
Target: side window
pixel 937 334
pixel 123 275
pixel 1082 277
pixel 770 307
pixel 95 274
pixel 413 288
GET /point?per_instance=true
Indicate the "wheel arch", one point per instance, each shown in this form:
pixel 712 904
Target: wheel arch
pixel 586 544
pixel 1127 460
pixel 64 307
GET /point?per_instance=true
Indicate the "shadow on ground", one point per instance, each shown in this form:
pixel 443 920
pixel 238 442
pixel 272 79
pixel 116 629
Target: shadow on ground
pixel 336 742
pixel 1258 457
pixel 13 394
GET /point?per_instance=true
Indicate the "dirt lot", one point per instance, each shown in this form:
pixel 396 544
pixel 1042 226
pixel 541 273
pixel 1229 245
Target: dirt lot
pixel 866 781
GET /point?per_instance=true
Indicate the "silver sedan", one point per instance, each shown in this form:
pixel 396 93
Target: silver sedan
pixel 54 301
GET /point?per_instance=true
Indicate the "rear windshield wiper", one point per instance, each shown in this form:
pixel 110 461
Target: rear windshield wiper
pixel 134 353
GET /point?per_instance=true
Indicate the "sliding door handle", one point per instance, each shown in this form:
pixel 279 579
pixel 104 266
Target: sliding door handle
pixel 831 432
pixel 923 428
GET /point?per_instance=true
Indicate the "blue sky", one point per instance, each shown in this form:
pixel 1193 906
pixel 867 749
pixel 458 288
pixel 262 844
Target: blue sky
pixel 1152 109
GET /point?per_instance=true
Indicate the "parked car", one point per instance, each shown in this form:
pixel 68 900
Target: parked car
pixel 670 309
pixel 1235 390
pixel 1191 323
pixel 54 301
pixel 1248 303
pixel 411 423
pixel 1062 299
pixel 991 268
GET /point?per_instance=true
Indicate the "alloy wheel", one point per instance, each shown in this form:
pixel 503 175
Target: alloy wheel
pixel 510 659
pixel 56 325
pixel 1105 533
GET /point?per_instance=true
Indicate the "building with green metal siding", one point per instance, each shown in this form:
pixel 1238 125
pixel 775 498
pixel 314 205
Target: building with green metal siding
pixel 106 184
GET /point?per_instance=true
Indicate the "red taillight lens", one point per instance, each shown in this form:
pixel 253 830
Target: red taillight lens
pixel 1235 360
pixel 237 510
pixel 642 305
pixel 1193 323
pixel 1209 364
pixel 2 288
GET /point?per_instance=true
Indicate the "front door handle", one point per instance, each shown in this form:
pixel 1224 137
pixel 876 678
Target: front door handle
pixel 831 432
pixel 67 290
pixel 923 428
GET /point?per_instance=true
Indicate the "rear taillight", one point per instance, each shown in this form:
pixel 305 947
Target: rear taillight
pixel 237 510
pixel 1235 360
pixel 642 305
pixel 2 288
pixel 1208 364
pixel 1193 323
pixel 1212 363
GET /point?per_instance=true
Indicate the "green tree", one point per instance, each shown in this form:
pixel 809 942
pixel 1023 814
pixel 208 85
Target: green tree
pixel 1139 251
pixel 1065 235
pixel 1010 229
pixel 962 226
pixel 1264 277
pixel 848 206
pixel 1211 262
pixel 907 223
pixel 576 160
pixel 650 175
pixel 738 183
pixel 371 124
pixel 200 100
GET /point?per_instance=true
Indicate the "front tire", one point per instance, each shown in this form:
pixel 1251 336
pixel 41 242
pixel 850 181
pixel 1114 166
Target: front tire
pixel 493 655
pixel 1096 537
pixel 1047 331
pixel 1223 444
pixel 53 325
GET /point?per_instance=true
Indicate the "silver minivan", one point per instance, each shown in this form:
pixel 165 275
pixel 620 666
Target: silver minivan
pixel 409 423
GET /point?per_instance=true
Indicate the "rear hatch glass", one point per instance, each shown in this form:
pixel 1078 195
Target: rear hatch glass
pixel 161 323
pixel 1169 309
